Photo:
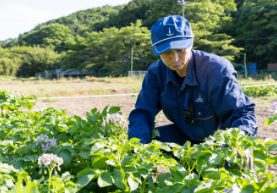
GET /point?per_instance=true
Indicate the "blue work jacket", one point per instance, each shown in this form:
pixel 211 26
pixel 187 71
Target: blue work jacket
pixel 218 100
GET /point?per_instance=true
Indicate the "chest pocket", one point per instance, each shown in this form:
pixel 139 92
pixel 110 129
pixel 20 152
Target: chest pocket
pixel 203 111
pixel 205 120
pixel 171 109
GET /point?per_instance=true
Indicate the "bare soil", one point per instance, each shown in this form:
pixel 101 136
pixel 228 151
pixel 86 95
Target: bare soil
pixel 80 106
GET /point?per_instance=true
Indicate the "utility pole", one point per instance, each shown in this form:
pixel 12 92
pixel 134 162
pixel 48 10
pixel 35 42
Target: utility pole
pixel 132 62
pixel 182 3
pixel 245 69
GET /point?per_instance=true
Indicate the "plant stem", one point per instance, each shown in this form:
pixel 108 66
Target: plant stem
pixel 50 173
pixel 144 183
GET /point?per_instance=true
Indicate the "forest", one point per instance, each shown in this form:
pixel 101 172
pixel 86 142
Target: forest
pixel 101 39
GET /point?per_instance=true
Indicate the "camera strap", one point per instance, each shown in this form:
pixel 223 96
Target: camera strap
pixel 192 88
pixel 188 107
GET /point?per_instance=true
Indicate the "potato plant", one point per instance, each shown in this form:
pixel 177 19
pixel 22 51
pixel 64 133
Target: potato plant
pixel 266 90
pixel 50 151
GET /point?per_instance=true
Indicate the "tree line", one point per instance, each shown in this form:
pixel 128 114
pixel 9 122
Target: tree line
pixel 101 39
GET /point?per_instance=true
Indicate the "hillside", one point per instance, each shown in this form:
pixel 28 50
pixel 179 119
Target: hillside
pixel 101 38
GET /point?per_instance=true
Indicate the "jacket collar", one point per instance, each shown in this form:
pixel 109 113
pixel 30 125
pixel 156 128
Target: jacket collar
pixel 190 78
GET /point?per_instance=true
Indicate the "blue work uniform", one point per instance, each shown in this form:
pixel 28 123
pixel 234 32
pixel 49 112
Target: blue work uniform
pixel 217 99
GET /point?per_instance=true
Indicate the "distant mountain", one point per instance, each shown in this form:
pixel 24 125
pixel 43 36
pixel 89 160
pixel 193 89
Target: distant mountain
pixel 8 39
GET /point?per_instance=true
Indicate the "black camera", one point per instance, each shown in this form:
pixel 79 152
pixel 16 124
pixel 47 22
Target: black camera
pixel 189 114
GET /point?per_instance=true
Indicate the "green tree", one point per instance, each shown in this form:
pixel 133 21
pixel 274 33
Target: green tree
pixel 55 35
pixel 35 59
pixel 256 30
pixel 207 18
pixel 110 50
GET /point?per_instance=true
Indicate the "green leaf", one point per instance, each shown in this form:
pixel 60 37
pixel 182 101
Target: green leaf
pixel 161 179
pixel 149 166
pixel 260 164
pixel 144 173
pixel 271 160
pixel 71 187
pixel 114 109
pixel 73 127
pixel 270 120
pixel 258 185
pixel 105 179
pixel 66 177
pixel 84 177
pixel 259 154
pixel 133 183
pixel 111 162
pixel 209 186
pixel 84 154
pixel 85 171
pixel 94 110
pixel 97 147
pixel 30 158
pixel 69 148
pixel 191 179
pixel 130 169
pixel 272 147
pixel 155 133
pixel 215 159
pixel 211 174
pixel 67 157
pixel 89 142
pixel 118 177
pixel 99 162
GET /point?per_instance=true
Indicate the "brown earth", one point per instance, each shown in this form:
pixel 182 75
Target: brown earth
pixel 80 106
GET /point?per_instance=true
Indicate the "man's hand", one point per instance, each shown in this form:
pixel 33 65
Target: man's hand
pixel 248 159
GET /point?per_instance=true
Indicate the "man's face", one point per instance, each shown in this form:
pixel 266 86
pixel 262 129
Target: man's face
pixel 176 59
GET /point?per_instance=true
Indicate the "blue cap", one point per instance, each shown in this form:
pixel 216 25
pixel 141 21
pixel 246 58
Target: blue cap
pixel 171 32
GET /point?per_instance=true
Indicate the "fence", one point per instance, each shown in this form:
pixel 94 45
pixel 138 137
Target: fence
pixel 138 74
pixel 48 74
pixel 67 73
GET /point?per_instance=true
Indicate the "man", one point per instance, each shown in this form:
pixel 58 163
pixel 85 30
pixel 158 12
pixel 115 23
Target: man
pixel 198 92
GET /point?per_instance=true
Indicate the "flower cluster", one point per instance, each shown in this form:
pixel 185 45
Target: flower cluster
pixel 47 159
pixel 115 118
pixel 274 109
pixel 46 142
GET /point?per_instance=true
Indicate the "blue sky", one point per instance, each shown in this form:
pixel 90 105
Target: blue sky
pixel 19 16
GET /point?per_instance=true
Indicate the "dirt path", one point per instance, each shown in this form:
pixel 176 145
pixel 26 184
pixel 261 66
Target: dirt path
pixel 127 103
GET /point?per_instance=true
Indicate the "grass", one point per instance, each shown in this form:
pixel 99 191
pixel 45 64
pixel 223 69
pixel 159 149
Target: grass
pixel 160 116
pixel 4 80
pixel 50 100
pixel 73 87
pixel 248 81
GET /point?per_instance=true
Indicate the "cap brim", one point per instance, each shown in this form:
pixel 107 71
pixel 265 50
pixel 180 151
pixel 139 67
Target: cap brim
pixel 183 43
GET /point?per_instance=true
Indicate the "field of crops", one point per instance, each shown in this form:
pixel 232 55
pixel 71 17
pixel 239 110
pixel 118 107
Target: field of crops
pixel 264 90
pixel 51 151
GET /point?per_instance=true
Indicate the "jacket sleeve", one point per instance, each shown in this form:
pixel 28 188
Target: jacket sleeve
pixel 232 106
pixel 146 108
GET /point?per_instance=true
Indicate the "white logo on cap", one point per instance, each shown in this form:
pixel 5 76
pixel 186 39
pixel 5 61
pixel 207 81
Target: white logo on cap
pixel 170 34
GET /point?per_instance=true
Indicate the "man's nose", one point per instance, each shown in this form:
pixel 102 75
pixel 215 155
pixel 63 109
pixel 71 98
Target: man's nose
pixel 175 57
